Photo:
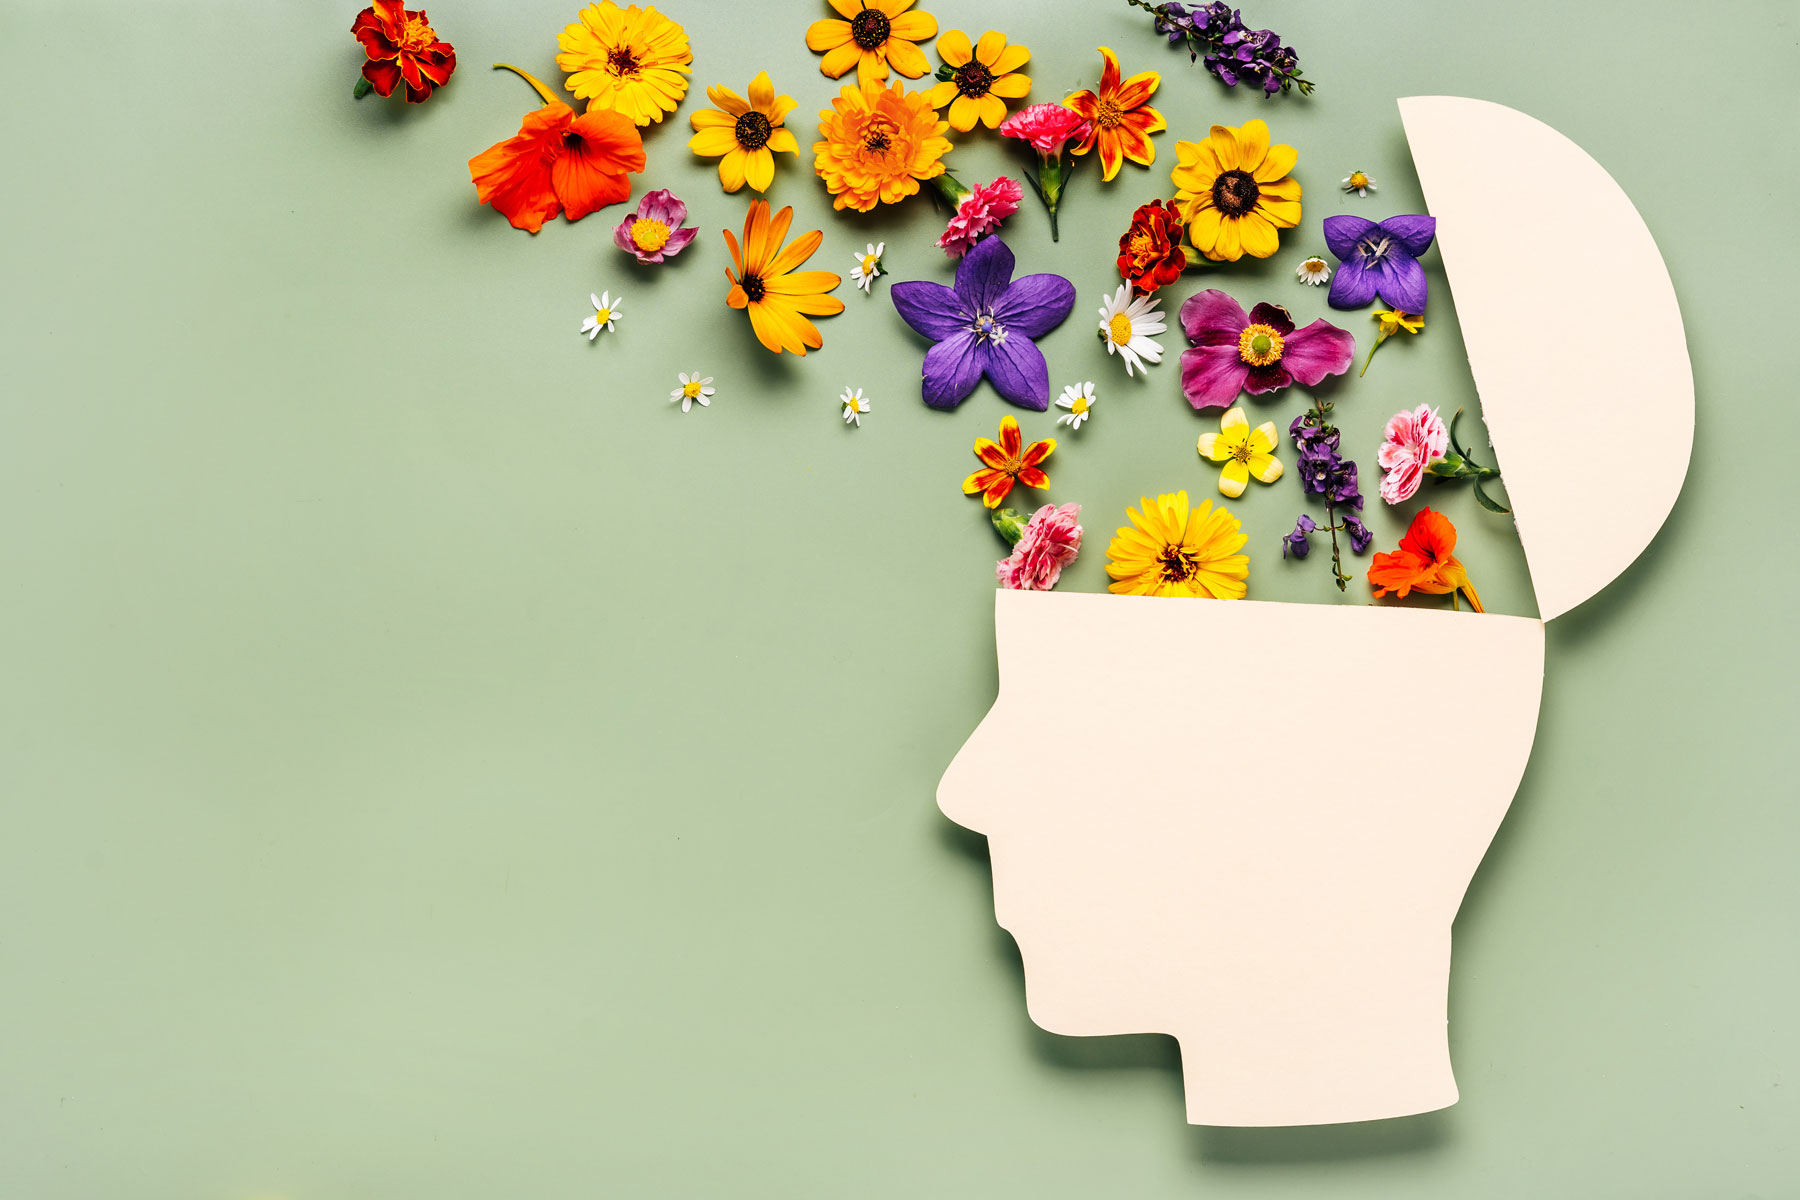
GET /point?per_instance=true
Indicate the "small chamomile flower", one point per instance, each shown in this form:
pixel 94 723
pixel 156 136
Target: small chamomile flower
pixel 854 406
pixel 1079 399
pixel 1127 326
pixel 606 314
pixel 868 266
pixel 693 388
pixel 1314 272
pixel 1359 182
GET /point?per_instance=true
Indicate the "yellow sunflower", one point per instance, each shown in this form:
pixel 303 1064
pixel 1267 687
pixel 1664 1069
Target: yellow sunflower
pixel 873 36
pixel 745 135
pixel 978 79
pixel 1234 191
pixel 877 144
pixel 779 297
pixel 1169 551
pixel 631 60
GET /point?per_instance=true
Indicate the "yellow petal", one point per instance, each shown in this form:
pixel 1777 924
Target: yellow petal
pixel 963 114
pixel 1253 144
pixel 987 50
pixel 1259 236
pixel 759 168
pixel 906 58
pixel 1234 477
pixel 1209 447
pixel 940 94
pixel 1011 87
pixel 1263 439
pixel 730 102
pixel 827 35
pixel 731 169
pixel 916 27
pixel 713 143
pixel 712 118
pixel 954 48
pixel 993 110
pixel 782 142
pixel 840 58
pixel 1234 418
pixel 762 92
pixel 1266 467
pixel 1278 163
pixel 1011 59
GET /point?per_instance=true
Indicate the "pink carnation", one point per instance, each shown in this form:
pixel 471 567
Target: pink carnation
pixel 1414 439
pixel 980 214
pixel 1046 126
pixel 1050 542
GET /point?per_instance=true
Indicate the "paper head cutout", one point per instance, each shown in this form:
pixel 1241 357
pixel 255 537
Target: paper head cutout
pixel 1176 851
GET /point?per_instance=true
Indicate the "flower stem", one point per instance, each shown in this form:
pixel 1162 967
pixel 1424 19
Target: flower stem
pixel 537 87
pixel 363 87
pixel 1371 358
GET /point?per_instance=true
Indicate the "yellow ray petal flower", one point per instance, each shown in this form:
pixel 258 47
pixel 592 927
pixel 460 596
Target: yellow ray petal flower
pixel 873 36
pixel 631 60
pixel 744 135
pixel 766 282
pixel 1247 453
pixel 1170 550
pixel 1121 116
pixel 1235 191
pixel 978 80
pixel 877 143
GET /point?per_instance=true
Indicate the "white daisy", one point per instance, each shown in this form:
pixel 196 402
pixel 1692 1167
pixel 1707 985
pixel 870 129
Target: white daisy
pixel 854 406
pixel 606 314
pixel 1078 398
pixel 1127 325
pixel 693 388
pixel 1314 271
pixel 1360 183
pixel 868 266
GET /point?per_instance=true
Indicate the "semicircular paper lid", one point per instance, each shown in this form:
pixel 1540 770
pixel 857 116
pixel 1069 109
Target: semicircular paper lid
pixel 1574 337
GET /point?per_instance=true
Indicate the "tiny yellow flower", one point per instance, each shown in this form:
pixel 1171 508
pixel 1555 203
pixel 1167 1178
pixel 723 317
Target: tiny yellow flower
pixel 1246 452
pixel 1391 321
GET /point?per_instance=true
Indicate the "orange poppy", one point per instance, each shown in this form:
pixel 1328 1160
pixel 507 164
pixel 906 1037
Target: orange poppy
pixel 1122 117
pixel 1008 462
pixel 402 47
pixel 1426 562
pixel 558 162
pixel 779 297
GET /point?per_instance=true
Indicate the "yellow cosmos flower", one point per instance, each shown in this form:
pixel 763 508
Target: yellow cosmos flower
pixel 632 60
pixel 780 299
pixel 1169 551
pixel 1234 191
pixel 745 135
pixel 978 80
pixel 878 143
pixel 1245 452
pixel 874 35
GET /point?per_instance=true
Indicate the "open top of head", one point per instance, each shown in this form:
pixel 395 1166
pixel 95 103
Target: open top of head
pixel 1566 388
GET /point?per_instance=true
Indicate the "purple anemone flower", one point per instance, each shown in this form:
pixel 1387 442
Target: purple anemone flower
pixel 1380 260
pixel 985 325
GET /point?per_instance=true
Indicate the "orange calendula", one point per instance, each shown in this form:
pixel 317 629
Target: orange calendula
pixel 1121 116
pixel 1008 461
pixel 877 143
pixel 978 80
pixel 873 36
pixel 744 135
pixel 1234 191
pixel 766 282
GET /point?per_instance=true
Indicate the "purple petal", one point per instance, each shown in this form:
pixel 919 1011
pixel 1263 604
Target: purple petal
pixel 1402 283
pixel 1274 316
pixel 930 308
pixel 1035 305
pixel 678 241
pixel 1414 233
pixel 1212 376
pixel 1353 286
pixel 952 369
pixel 1019 373
pixel 1319 350
pixel 1343 232
pixel 1211 318
pixel 984 274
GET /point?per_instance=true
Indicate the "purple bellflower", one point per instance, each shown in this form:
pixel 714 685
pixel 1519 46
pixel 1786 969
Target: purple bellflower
pixel 1380 260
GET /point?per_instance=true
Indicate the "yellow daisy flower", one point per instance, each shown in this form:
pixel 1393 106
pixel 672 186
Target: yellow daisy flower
pixel 631 60
pixel 769 284
pixel 877 144
pixel 873 36
pixel 978 80
pixel 1245 452
pixel 1169 551
pixel 1235 190
pixel 744 135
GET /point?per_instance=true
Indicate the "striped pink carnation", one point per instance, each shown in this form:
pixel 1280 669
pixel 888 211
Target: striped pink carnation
pixel 1051 542
pixel 980 214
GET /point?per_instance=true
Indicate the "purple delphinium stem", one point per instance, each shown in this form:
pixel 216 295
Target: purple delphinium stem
pixel 1233 52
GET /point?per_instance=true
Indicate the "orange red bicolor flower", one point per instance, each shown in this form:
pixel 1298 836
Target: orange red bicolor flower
pixel 402 48
pixel 1007 462
pixel 1151 254
pixel 1426 562
pixel 766 282
pixel 1122 117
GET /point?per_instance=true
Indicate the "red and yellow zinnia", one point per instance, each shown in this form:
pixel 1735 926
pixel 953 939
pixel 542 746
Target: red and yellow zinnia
pixel 1006 462
pixel 1121 115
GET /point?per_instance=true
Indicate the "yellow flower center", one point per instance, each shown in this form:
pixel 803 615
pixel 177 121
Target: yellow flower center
pixel 1119 329
pixel 1108 114
pixel 868 264
pixel 1142 245
pixel 1080 406
pixel 1178 565
pixel 602 315
pixel 691 390
pixel 1358 179
pixel 1242 452
pixel 1260 346
pixel 649 236
pixel 1313 265
pixel 417 35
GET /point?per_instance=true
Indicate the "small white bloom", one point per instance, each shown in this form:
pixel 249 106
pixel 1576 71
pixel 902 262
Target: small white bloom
pixel 1127 326
pixel 868 266
pixel 1314 271
pixel 693 388
pixel 854 406
pixel 606 314
pixel 1078 398
pixel 1360 183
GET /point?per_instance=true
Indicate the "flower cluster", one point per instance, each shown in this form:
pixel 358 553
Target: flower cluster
pixel 1232 51
pixel 1327 476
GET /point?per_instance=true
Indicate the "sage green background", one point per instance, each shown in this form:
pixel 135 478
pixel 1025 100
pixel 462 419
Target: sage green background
pixel 435 767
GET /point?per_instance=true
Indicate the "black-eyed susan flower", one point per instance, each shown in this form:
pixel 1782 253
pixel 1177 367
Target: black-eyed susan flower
pixel 744 135
pixel 978 80
pixel 779 298
pixel 873 36
pixel 1235 191
pixel 1172 550
pixel 634 61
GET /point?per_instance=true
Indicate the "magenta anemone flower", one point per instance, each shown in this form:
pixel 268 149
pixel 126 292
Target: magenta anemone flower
pixel 1380 260
pixel 985 326
pixel 654 233
pixel 1259 353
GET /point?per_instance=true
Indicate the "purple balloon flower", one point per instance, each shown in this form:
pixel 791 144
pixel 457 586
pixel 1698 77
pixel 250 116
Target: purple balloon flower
pixel 985 325
pixel 1380 260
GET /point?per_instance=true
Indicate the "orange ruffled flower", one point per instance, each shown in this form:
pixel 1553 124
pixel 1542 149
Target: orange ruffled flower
pixel 1122 117
pixel 1426 562
pixel 558 162
pixel 1009 461
pixel 402 47
pixel 878 143
pixel 874 35
pixel 779 299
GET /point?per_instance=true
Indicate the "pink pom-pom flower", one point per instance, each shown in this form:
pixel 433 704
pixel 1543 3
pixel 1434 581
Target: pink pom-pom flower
pixel 1414 440
pixel 1051 541
pixel 979 214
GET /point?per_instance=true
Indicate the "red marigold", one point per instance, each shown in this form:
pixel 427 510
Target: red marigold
pixel 1151 254
pixel 402 47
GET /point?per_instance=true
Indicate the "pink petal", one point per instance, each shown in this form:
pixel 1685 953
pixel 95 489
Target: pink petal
pixel 1212 376
pixel 1211 318
pixel 1319 350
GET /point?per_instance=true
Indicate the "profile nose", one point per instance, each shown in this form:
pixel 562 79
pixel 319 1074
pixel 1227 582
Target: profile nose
pixel 967 791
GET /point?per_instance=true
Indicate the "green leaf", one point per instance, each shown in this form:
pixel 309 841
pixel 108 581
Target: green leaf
pixel 1456 442
pixel 1487 502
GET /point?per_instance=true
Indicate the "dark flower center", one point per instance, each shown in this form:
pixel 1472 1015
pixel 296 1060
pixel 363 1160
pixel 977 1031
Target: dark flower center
pixel 755 288
pixel 753 131
pixel 878 135
pixel 622 62
pixel 870 28
pixel 974 80
pixel 1235 193
pixel 1178 565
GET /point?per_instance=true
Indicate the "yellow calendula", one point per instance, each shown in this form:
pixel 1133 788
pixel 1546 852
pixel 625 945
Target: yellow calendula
pixel 1172 550
pixel 633 60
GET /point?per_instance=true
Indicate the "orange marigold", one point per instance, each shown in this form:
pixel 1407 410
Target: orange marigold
pixel 877 144
pixel 402 48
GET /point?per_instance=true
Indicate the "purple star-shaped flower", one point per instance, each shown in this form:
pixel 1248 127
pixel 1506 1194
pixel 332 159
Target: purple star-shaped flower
pixel 1380 260
pixel 985 325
